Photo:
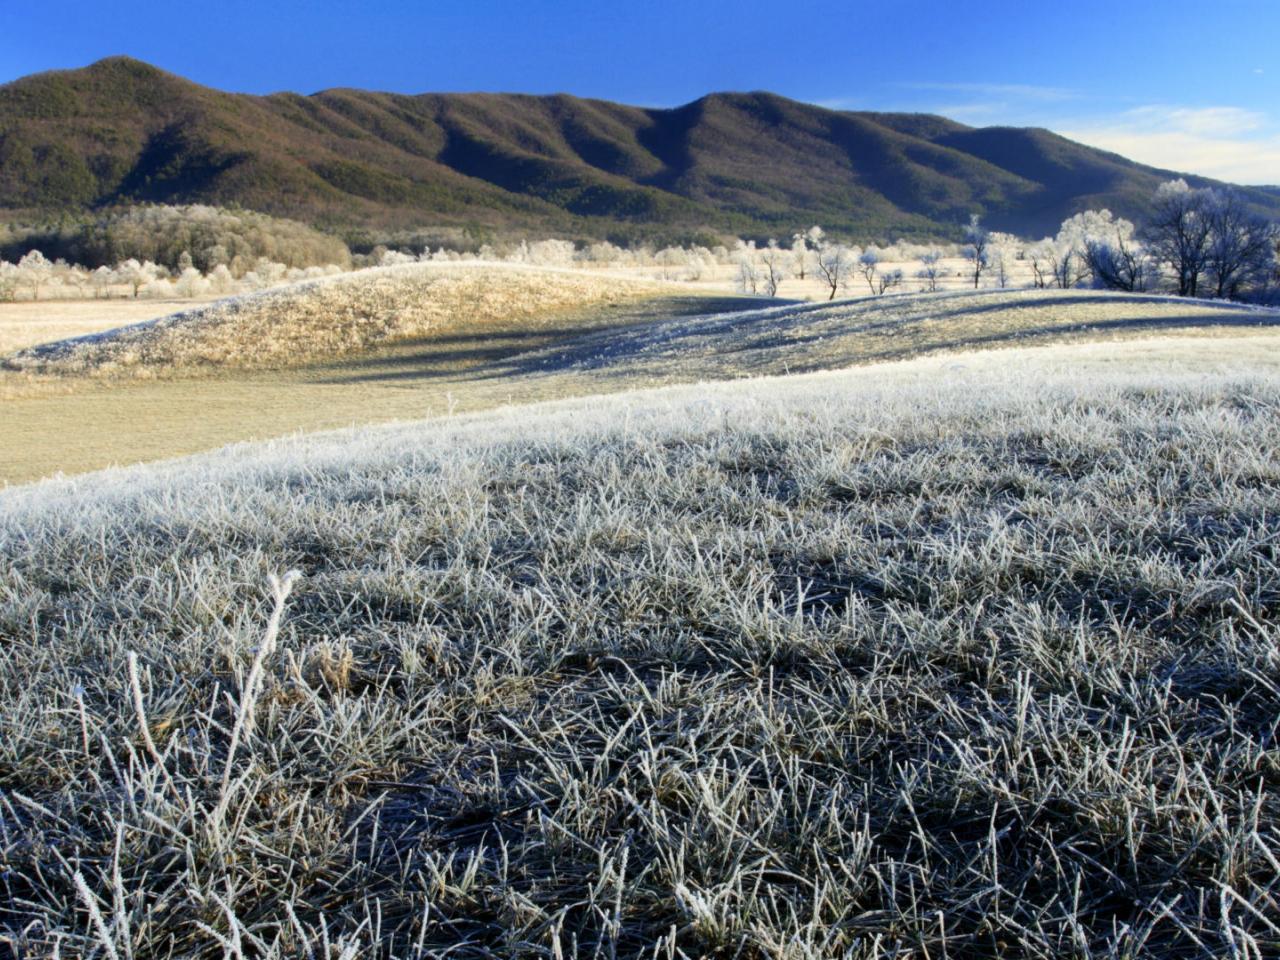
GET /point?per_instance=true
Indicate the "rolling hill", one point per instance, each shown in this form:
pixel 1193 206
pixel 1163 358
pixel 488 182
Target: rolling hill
pixel 429 339
pixel 121 131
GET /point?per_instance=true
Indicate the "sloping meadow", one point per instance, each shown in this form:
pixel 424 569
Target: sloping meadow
pixel 330 318
pixel 807 668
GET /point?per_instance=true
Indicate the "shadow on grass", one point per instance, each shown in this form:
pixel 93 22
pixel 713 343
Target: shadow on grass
pixel 697 334
pixel 494 353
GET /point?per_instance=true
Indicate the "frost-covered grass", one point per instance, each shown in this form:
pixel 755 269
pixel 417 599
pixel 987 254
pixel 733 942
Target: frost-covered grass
pixel 791 338
pixel 327 319
pixel 872 664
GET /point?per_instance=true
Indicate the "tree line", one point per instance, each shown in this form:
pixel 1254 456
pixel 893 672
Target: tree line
pixel 207 236
pixel 1196 243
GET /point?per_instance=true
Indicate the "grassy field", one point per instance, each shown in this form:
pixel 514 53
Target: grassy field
pixel 28 323
pixel 965 656
pixel 253 369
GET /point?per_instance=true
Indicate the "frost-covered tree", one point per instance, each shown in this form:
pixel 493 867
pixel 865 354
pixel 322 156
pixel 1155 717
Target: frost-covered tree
pixel 976 250
pixel 835 263
pixel 136 275
pixel 1178 234
pixel 799 254
pixel 1002 253
pixel 774 259
pixel 191 283
pixel 699 262
pixel 1040 255
pixel 673 261
pixel 550 253
pixel 889 280
pixel 603 254
pixel 10 279
pixel 36 271
pixel 746 274
pixel 868 264
pixel 1070 254
pixel 929 270
pixel 269 272
pixel 221 282
pixel 101 280
pixel 389 258
pixel 801 245
pixel 1242 246
pixel 1110 253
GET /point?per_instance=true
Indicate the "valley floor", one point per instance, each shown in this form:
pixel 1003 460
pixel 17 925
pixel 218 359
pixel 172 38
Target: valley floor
pixel 74 424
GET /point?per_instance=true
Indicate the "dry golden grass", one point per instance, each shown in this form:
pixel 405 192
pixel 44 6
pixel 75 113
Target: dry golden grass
pixel 335 317
pixel 28 323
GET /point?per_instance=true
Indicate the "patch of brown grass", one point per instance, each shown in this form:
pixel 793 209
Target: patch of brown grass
pixel 333 318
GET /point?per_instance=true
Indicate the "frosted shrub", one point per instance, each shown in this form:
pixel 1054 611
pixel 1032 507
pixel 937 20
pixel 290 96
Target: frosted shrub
pixel 191 283
pixel 394 258
pixel 550 253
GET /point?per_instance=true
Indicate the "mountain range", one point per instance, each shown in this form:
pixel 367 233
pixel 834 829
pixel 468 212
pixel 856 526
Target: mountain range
pixel 122 131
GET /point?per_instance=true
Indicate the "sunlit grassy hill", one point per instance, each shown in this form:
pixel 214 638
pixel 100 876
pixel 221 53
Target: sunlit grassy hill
pixel 368 312
pixel 335 317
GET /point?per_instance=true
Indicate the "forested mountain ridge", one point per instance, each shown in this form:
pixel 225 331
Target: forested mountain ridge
pixel 121 131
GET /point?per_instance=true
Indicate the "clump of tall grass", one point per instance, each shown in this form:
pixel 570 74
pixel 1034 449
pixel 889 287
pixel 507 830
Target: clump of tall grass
pixel 331 318
pixel 830 667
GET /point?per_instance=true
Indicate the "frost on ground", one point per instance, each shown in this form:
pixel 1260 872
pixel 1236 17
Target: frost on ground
pixel 791 338
pixel 330 318
pixel 836 666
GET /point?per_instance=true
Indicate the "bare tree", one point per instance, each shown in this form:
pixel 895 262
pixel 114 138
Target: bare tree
pixel 835 265
pixel 748 275
pixel 929 270
pixel 1041 257
pixel 799 253
pixel 1241 249
pixel 1179 233
pixel 1002 250
pixel 775 264
pixel 887 281
pixel 976 252
pixel 868 264
pixel 1118 263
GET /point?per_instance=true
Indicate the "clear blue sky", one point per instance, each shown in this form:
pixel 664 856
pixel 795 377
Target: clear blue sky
pixel 1185 84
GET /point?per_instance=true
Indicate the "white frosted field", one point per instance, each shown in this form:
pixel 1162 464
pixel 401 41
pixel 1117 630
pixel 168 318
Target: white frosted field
pixel 741 668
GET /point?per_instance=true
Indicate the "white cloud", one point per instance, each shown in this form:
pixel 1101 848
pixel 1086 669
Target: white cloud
pixel 1201 121
pixel 1227 143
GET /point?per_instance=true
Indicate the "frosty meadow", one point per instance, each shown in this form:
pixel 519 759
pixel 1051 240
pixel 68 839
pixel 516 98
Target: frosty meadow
pixel 489 525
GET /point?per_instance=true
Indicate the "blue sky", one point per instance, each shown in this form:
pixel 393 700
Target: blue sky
pixel 1181 84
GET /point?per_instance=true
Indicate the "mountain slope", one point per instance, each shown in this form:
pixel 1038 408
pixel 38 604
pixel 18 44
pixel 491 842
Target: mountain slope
pixel 123 131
